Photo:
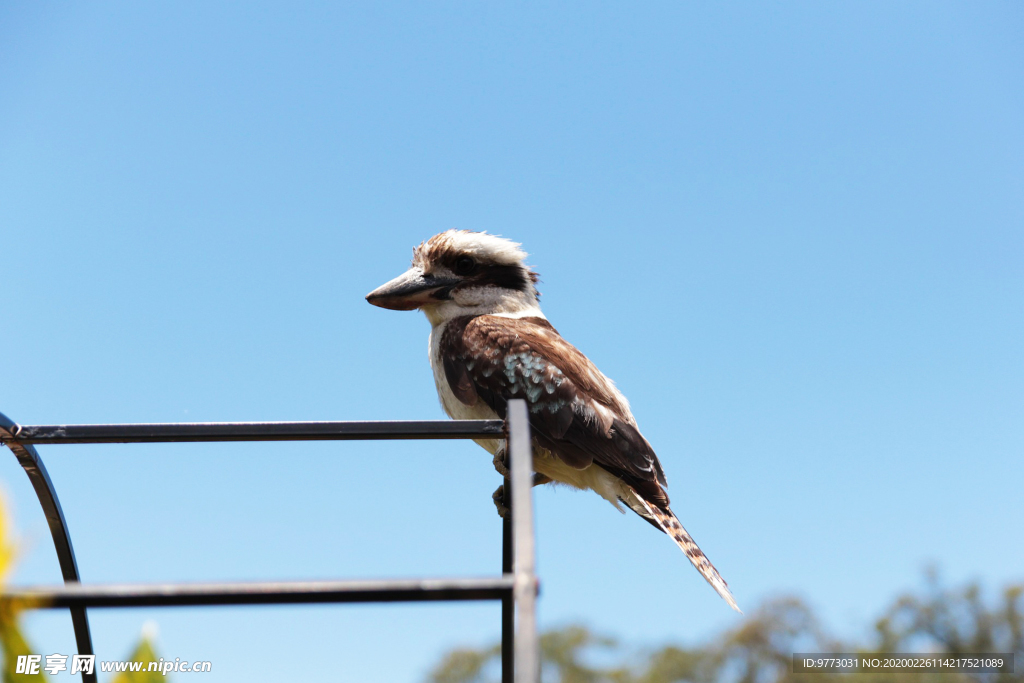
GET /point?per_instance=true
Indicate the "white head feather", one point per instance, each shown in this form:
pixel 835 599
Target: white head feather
pixel 431 255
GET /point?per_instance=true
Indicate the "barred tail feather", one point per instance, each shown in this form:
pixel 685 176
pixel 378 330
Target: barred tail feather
pixel 669 523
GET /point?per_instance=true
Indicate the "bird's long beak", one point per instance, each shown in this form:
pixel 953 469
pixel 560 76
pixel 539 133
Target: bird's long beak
pixel 410 290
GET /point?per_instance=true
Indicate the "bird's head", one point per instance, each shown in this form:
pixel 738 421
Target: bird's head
pixel 459 272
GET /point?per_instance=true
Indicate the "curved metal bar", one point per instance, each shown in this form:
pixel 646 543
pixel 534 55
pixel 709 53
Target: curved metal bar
pixel 33 465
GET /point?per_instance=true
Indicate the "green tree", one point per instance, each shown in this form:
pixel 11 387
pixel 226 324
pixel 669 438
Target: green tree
pixel 13 642
pixel 760 649
pixel 143 652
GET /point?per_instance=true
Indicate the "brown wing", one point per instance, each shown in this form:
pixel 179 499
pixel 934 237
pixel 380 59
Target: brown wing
pixel 573 411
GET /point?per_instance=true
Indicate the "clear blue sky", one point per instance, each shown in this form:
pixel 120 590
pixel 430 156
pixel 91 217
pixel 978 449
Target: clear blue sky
pixel 791 232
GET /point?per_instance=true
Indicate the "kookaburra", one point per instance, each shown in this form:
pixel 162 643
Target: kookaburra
pixel 490 342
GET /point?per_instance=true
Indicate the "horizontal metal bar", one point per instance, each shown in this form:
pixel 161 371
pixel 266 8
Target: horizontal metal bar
pixel 258 431
pixel 262 593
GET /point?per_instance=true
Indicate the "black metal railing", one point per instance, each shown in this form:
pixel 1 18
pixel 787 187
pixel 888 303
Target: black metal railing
pixel 516 586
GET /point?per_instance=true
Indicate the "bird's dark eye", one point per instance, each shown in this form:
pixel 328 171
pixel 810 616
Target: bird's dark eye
pixel 464 265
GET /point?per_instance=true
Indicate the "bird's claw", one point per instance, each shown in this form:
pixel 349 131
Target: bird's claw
pixel 499 501
pixel 499 463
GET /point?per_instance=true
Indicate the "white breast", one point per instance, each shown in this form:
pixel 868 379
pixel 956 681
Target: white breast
pixel 456 409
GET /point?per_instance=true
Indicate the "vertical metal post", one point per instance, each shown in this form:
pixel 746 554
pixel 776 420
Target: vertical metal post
pixel 508 557
pixel 30 461
pixel 508 604
pixel 520 448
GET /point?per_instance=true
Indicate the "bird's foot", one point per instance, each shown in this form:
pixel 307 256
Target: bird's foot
pixel 499 501
pixel 499 494
pixel 499 463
